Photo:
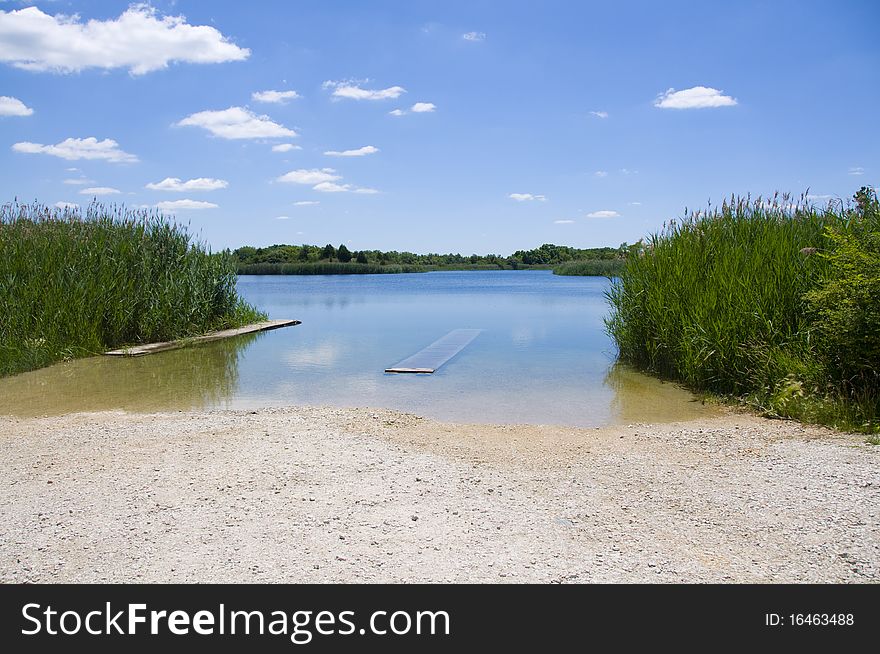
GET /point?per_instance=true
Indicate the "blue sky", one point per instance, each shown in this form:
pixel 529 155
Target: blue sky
pixel 519 123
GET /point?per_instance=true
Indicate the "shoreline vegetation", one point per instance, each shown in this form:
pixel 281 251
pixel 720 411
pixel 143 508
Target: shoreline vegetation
pixel 77 283
pixel 774 303
pixel 771 303
pixel 329 260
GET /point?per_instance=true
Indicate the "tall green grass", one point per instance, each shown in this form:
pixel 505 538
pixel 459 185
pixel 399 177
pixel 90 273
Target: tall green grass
pixel 721 302
pixel 590 267
pixel 74 283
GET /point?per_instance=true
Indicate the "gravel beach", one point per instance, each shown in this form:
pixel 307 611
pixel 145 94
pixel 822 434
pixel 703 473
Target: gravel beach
pixel 369 495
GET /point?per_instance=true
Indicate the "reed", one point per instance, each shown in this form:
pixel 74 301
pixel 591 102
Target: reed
pixel 721 301
pixel 74 283
pixel 591 267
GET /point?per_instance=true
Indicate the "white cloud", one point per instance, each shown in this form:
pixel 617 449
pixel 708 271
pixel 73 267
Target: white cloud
pixel 66 205
pixel 313 176
pixel 698 97
pixel 360 152
pixel 352 90
pixel 526 197
pixel 79 181
pixel 635 204
pixel 10 106
pixel 603 214
pixel 601 173
pixel 185 204
pixel 99 190
pixel 563 222
pixel 417 108
pixel 285 147
pixel 274 97
pixel 236 123
pixel 73 149
pixel 140 40
pixel 474 36
pixel 177 185
pixel 282 217
pixel 322 180
pixel 331 187
pixel 599 114
pixel 856 170
pixel 306 203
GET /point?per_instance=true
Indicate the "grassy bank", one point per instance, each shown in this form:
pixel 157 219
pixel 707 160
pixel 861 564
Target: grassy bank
pixel 591 267
pixel 77 283
pixel 776 303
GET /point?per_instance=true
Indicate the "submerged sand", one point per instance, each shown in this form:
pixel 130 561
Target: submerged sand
pixel 351 495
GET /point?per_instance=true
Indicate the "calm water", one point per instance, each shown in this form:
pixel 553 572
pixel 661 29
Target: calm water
pixel 542 357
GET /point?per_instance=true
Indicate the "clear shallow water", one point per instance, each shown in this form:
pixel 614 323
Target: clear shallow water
pixel 542 357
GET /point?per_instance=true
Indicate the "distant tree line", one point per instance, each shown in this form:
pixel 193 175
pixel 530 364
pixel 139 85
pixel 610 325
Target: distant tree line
pixel 547 256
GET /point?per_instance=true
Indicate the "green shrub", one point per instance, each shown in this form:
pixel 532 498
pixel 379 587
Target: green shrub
pixel 773 302
pixel 846 306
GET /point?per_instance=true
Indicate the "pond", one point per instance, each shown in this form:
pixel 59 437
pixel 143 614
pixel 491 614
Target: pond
pixel 542 355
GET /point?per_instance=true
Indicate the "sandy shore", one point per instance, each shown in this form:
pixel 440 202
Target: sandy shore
pixel 333 495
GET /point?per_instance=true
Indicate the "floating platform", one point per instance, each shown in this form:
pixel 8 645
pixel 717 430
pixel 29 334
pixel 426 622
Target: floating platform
pixel 437 353
pixel 152 348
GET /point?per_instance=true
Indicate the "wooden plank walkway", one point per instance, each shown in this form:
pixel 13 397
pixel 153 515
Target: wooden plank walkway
pixel 437 353
pixel 151 348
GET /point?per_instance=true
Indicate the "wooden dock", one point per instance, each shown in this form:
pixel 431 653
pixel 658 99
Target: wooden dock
pixel 152 348
pixel 437 353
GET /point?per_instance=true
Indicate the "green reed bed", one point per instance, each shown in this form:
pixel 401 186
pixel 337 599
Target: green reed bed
pixel 74 283
pixel 590 267
pixel 774 302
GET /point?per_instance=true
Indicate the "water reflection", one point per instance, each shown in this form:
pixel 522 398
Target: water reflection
pixel 195 377
pixel 542 357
